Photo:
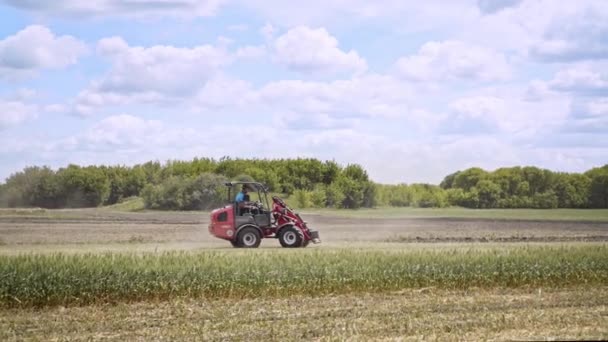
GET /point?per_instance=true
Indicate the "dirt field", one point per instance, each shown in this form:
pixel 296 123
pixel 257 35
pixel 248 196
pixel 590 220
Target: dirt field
pixel 101 229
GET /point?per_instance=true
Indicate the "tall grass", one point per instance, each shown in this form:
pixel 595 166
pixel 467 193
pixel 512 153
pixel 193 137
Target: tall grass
pixel 38 280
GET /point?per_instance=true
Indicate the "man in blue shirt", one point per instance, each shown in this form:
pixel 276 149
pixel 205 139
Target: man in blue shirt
pixel 241 196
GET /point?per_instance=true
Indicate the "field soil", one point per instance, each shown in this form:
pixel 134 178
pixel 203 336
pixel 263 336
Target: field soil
pixel 107 230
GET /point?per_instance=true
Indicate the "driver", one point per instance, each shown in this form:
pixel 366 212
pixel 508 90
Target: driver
pixel 242 200
pixel 242 196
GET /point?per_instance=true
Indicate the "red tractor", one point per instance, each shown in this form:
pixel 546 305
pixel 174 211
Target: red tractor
pixel 246 223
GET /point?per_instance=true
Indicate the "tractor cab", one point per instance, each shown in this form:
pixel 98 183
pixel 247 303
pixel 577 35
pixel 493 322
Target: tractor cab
pixel 251 210
pixel 252 207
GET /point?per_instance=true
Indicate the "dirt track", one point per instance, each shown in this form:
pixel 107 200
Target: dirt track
pixel 104 227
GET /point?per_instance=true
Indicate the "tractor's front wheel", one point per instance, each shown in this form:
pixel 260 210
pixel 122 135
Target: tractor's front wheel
pixel 291 237
pixel 249 238
pixel 234 244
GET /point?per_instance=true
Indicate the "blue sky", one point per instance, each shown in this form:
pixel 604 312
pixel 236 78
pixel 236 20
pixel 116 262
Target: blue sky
pixel 410 90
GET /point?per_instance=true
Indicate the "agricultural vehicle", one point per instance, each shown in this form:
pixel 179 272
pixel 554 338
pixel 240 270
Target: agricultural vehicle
pixel 246 223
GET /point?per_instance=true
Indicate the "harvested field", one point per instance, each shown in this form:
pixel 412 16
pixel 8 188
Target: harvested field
pixel 416 314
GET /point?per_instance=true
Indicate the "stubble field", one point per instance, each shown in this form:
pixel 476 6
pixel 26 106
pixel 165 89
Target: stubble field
pixel 381 274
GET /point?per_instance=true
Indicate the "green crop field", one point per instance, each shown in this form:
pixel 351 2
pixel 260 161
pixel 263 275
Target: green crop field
pixel 58 279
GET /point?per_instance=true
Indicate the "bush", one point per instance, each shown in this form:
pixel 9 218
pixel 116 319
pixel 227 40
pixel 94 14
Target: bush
pixel 333 196
pixel 318 197
pixel 185 193
pixel 546 200
pixel 302 199
pixel 428 196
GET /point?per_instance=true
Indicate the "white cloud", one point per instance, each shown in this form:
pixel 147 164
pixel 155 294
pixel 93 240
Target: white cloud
pixel 454 60
pixel 588 118
pixel 493 6
pixel 150 74
pixel 238 27
pixel 251 52
pixel 268 31
pixel 35 48
pixel 538 91
pixel 310 50
pixel 222 92
pixel 365 96
pixel 55 108
pixel 161 69
pixel 123 130
pixel 508 113
pixel 13 113
pixel 130 8
pixel 314 121
pixel 574 37
pixel 598 107
pixel 539 30
pixel 589 79
pixel 479 107
pixel 408 14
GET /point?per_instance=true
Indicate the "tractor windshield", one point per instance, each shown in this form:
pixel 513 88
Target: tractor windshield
pixel 247 192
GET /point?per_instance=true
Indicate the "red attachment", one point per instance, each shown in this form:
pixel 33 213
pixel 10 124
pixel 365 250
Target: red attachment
pixel 286 216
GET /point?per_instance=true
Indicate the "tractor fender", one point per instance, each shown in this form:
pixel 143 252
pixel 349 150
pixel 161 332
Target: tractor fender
pixel 247 226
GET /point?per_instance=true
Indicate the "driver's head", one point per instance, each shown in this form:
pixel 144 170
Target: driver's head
pixel 244 189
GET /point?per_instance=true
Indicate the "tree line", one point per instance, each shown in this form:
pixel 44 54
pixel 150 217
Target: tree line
pixel 199 184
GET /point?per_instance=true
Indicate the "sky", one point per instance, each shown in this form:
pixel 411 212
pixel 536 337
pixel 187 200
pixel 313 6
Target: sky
pixel 410 90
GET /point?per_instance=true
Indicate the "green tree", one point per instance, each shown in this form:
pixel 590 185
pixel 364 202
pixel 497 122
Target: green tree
pixel 83 187
pixel 448 181
pixel 34 186
pixel 334 196
pixel 572 190
pixel 356 173
pixel 428 196
pixel 331 171
pixel 302 199
pixel 318 196
pixel 135 181
pixel 207 192
pixel 598 193
pixel 352 192
pixel 455 196
pixel 545 200
pixel 539 180
pixel 469 178
pixel 488 193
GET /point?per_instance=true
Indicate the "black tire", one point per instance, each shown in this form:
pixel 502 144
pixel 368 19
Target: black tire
pixel 291 237
pixel 234 244
pixel 249 238
pixel 305 243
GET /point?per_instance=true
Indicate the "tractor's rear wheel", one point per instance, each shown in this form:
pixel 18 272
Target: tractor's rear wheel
pixel 234 244
pixel 249 238
pixel 291 237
